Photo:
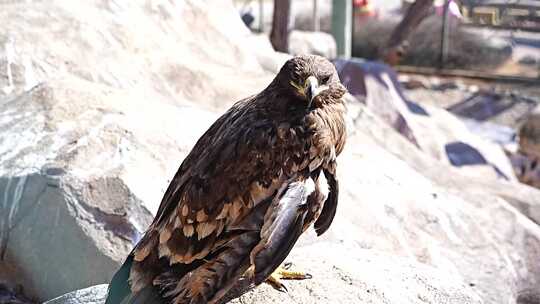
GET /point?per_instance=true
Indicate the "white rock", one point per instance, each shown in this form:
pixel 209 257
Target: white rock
pixel 91 295
pixel 318 43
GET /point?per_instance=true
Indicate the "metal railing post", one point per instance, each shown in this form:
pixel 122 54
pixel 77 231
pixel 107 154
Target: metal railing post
pixel 342 26
pixel 444 35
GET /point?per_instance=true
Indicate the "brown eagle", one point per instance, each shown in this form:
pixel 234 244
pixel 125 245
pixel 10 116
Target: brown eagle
pixel 245 193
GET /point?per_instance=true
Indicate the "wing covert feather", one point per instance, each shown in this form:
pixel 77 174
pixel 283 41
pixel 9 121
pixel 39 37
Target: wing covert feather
pixel 227 172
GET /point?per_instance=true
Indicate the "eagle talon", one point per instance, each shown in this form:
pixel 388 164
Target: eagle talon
pixel 283 273
pixel 274 280
pixel 283 289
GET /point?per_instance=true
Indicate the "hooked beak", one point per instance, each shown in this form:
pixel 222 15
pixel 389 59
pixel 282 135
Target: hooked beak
pixel 311 89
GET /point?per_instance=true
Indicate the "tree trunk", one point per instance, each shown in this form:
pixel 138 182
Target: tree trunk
pixel 396 45
pixel 279 37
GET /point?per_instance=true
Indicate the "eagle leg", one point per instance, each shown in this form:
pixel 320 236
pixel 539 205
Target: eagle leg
pixel 285 273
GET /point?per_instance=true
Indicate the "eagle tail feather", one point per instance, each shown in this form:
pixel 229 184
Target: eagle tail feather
pixel 119 287
pixel 284 230
pixel 120 291
pixel 330 205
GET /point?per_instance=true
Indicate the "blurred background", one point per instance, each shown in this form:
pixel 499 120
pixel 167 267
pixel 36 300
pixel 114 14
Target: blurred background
pixel 101 100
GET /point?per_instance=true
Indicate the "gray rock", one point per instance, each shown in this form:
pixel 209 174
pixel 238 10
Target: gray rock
pixel 410 83
pixel 182 50
pixel 318 43
pixel 91 295
pixel 269 59
pixel 67 201
pixel 363 276
pixel 81 178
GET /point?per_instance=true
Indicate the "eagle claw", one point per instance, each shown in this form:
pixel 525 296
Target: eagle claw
pixel 283 273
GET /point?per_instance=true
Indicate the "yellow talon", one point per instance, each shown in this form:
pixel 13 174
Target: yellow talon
pixel 283 273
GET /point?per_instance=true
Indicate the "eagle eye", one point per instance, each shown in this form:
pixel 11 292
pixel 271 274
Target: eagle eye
pixel 325 79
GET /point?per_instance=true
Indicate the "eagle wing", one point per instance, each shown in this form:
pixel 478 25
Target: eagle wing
pixel 232 168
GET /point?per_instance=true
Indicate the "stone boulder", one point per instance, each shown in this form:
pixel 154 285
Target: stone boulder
pixel 318 43
pixel 83 169
pixel 90 295
pixel 183 50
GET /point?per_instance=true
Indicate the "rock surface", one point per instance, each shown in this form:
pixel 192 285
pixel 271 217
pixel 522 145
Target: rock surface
pixel 412 204
pixel 91 295
pixel 448 243
pixel 433 130
pixel 82 176
pixel 362 277
pixel 318 43
pixel 151 44
pixel 95 117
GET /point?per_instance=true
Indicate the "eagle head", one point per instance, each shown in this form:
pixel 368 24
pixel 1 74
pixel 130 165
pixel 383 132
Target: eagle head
pixel 311 79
